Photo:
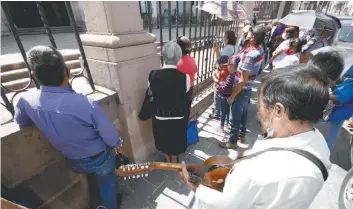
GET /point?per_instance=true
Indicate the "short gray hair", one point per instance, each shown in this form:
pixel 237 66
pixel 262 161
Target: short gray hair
pixel 171 53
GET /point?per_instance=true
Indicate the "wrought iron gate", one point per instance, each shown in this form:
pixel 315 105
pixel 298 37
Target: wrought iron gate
pixel 186 19
pixel 7 101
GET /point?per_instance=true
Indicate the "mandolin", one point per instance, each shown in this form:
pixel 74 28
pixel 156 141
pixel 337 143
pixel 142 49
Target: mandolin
pixel 213 171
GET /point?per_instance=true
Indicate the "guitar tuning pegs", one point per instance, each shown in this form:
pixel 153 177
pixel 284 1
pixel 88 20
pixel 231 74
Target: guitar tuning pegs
pixel 124 178
pixel 138 176
pixel 129 177
pixel 146 174
pixel 133 177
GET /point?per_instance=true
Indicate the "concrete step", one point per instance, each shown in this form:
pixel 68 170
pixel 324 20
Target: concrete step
pixel 52 193
pixel 23 73
pixel 23 82
pixel 15 61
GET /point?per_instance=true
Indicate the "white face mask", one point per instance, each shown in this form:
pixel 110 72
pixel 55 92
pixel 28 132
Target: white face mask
pixel 284 36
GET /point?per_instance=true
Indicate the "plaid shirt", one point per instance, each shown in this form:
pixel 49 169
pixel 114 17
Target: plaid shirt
pixel 251 60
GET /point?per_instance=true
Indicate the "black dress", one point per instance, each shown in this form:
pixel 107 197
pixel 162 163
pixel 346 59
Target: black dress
pixel 168 88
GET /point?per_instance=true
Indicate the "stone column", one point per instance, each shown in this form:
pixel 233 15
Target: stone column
pixel 120 56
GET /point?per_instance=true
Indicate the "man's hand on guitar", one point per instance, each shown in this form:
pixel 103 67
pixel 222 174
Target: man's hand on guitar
pixel 184 175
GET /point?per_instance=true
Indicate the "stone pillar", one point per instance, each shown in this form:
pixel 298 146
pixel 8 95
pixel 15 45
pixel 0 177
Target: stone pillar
pixel 77 9
pixel 120 55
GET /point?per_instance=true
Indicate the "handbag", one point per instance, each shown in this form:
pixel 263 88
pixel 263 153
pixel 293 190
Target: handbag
pixel 146 111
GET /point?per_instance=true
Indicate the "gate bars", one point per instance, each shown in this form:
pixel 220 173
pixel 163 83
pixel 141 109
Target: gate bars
pixel 8 103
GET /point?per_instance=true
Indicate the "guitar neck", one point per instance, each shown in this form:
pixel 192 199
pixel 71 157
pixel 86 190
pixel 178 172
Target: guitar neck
pixel 173 166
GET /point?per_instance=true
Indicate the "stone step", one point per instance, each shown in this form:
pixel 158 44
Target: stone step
pixel 15 61
pixel 23 82
pixel 23 73
pixel 52 192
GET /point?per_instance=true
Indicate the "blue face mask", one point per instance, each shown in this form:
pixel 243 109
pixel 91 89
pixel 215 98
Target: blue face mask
pixel 316 34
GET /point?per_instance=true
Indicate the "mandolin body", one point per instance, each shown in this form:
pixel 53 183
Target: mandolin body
pixel 215 179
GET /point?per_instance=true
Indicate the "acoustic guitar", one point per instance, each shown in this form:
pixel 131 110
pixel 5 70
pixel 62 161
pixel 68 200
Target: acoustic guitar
pixel 211 173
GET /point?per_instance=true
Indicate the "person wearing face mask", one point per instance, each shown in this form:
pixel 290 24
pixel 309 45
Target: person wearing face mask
pixel 290 101
pixel 314 42
pixel 248 68
pixel 220 73
pixel 289 56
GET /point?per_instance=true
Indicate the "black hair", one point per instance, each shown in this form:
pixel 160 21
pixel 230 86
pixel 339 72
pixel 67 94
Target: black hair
pixel 301 89
pixel 291 32
pixel 331 63
pixel 259 33
pixel 296 43
pixel 230 35
pixel 47 64
pixel 184 44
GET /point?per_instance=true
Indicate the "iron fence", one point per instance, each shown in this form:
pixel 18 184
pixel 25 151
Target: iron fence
pixel 202 28
pixel 8 102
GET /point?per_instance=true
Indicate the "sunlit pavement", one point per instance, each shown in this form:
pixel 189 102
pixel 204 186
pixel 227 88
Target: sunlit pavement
pixel 164 189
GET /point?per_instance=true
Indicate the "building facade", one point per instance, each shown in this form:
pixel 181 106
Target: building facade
pixel 25 16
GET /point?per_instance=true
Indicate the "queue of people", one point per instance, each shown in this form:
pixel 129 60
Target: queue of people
pixel 292 98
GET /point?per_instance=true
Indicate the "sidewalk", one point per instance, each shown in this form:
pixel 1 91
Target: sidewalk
pixel 164 189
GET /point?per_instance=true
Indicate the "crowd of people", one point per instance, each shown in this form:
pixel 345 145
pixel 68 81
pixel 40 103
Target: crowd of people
pixel 292 97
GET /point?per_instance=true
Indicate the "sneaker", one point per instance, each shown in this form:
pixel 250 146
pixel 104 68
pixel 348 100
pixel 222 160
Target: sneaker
pixel 228 145
pixel 212 116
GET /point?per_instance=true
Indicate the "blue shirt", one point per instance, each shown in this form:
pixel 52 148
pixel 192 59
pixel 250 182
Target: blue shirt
pixel 344 94
pixel 73 124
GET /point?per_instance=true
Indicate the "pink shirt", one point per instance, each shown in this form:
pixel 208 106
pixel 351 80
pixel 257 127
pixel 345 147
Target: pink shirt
pixel 188 66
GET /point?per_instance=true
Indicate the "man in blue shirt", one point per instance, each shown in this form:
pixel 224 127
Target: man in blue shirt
pixel 73 124
pixel 343 97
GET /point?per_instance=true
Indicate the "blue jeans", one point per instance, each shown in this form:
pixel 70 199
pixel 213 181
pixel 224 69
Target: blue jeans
pixel 239 112
pixel 100 171
pixel 333 132
pixel 217 103
pixel 225 110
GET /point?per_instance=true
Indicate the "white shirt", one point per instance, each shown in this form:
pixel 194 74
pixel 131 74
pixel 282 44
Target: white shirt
pixel 284 60
pixel 274 179
pixel 165 66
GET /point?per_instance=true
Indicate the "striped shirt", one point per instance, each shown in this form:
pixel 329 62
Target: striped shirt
pixel 225 88
pixel 251 61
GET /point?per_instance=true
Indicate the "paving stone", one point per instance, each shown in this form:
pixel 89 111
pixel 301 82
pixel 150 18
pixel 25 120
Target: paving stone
pixel 156 177
pixel 172 195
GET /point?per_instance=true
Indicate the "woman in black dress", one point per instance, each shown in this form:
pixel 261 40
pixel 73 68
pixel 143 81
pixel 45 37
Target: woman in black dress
pixel 171 109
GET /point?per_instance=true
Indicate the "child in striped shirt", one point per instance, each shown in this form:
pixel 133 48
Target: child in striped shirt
pixel 225 88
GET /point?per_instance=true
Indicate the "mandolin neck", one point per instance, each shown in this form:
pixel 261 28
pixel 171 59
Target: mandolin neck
pixel 173 166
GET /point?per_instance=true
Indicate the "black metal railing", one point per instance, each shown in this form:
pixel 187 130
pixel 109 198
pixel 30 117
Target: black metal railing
pixel 8 102
pixel 203 30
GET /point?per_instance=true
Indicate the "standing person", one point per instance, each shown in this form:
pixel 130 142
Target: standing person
pixel 73 124
pixel 290 56
pixel 169 88
pixel 187 63
pixel 224 90
pixel 332 64
pixel 249 67
pixel 290 103
pixel 221 71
